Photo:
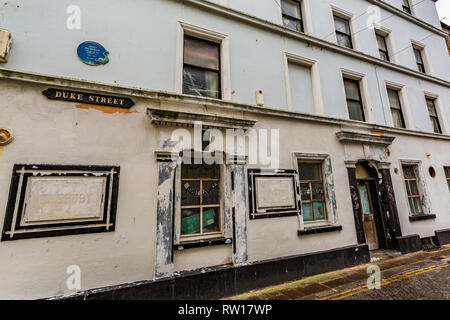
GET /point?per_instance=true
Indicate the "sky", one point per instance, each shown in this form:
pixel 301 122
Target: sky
pixel 443 7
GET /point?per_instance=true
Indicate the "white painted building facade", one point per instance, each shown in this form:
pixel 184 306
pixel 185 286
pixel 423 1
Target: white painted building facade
pixel 269 77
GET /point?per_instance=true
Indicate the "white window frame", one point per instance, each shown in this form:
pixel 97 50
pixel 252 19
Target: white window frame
pixel 407 117
pixel 365 93
pixel 439 110
pixel 315 80
pixel 329 188
pixel 387 34
pixel 343 14
pixel 205 34
pixel 421 184
pixel 423 53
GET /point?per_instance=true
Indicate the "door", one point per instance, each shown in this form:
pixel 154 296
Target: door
pixel 368 215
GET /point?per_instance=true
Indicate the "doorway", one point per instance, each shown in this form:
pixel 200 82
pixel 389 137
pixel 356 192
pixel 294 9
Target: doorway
pixel 369 204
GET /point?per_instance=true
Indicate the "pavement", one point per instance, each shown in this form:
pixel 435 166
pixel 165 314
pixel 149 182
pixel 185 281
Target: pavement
pixel 423 275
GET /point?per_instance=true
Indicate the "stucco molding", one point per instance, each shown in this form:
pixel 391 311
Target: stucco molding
pixel 356 137
pixel 175 100
pixel 184 119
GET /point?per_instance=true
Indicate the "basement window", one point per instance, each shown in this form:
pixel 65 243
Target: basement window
pixel 200 201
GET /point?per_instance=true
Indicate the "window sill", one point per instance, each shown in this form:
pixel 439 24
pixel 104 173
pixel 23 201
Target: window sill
pixel 202 243
pixel 317 230
pixel 422 217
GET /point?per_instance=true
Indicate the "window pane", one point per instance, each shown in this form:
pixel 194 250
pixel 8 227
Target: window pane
pixel 190 221
pixel 394 100
pixel 306 192
pixel 292 24
pixel 381 42
pixel 413 188
pixel 435 123
pixel 196 171
pixel 341 25
pixel 200 82
pixel 291 8
pixel 307 212
pixel 352 89
pixel 319 210
pixel 317 191
pixel 447 172
pixel 190 193
pixel 364 197
pixel 384 56
pixel 310 171
pixel 411 206
pixel 201 53
pixel 397 118
pixel 210 192
pixel 418 56
pixel 211 220
pixel 344 40
pixel 431 108
pixel 417 206
pixel 355 110
pixel 408 172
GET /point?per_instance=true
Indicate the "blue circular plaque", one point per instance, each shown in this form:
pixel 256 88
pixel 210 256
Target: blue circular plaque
pixel 92 53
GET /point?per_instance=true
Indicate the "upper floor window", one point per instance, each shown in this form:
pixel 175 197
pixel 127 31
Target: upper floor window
pixel 433 115
pixel 382 47
pixel 396 108
pixel 201 68
pixel 412 189
pixel 406 6
pixel 354 100
pixel 447 175
pixel 343 33
pixel 200 201
pixel 419 59
pixel 312 190
pixel 292 15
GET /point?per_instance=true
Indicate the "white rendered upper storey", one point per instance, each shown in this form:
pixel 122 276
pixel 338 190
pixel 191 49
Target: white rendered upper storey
pixel 303 72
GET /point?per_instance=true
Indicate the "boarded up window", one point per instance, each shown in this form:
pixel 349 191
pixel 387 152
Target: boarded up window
pixel 301 88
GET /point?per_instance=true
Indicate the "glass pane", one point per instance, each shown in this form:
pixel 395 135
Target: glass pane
pixel 408 191
pixel 411 206
pixel 211 192
pixel 355 110
pixel 352 89
pixel 384 56
pixel 211 220
pixel 196 171
pixel 292 24
pixel 394 100
pixel 381 43
pixel 201 53
pixel 291 8
pixel 447 172
pixel 344 40
pixel 435 123
pixel 317 191
pixel 190 193
pixel 341 25
pixel 421 68
pixel 448 182
pixel 307 212
pixel 319 210
pixel 364 197
pixel 418 56
pixel 397 118
pixel 190 221
pixel 417 206
pixel 200 82
pixel 431 107
pixel 413 188
pixel 306 194
pixel 408 172
pixel 310 171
